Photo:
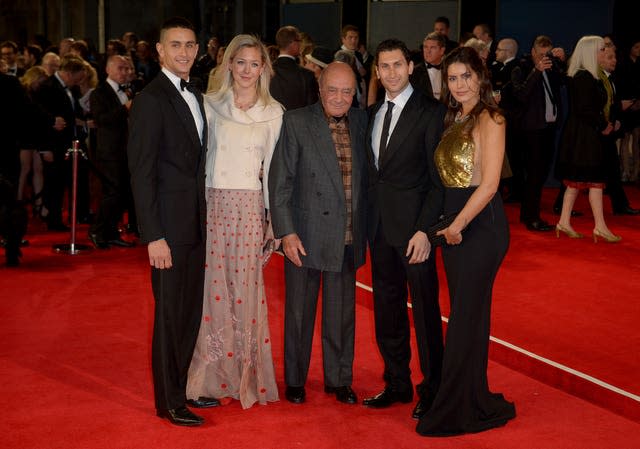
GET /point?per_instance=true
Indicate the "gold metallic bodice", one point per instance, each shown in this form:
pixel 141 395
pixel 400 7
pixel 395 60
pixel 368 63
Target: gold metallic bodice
pixel 454 157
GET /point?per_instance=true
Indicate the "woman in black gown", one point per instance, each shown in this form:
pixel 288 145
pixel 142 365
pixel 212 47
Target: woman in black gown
pixel 469 160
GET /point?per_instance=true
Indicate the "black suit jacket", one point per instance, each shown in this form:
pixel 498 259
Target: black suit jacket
pixel 293 86
pixel 529 90
pixel 405 192
pixel 501 80
pixel 420 79
pixel 12 119
pixel 112 120
pixel 53 98
pixel 167 161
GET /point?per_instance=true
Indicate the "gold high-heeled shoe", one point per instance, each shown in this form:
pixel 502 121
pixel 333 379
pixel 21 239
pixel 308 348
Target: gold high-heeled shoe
pixel 606 236
pixel 569 232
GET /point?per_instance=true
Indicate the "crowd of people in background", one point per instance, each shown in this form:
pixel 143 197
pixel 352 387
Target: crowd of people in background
pixel 448 126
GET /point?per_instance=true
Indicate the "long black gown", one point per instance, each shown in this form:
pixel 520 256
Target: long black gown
pixel 463 403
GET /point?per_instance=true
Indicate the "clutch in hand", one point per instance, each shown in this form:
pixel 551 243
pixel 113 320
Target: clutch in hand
pixel 432 232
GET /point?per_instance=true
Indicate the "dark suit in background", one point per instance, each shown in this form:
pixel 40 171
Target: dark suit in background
pixel 167 160
pixel 53 97
pixel 405 196
pixel 420 80
pixel 112 120
pixel 292 85
pixel 307 197
pixel 536 134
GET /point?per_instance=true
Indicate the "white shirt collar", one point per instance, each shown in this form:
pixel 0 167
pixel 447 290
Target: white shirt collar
pixel 402 98
pixel 175 79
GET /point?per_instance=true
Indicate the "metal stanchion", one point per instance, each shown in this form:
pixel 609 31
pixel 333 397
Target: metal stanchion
pixel 72 248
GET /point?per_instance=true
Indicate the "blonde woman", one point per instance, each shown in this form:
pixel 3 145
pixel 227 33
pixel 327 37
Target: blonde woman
pixel 232 358
pixel 581 158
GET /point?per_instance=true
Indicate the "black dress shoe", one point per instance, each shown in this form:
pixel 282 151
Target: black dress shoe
pixel 98 242
pixel 181 416
pixel 574 213
pixel 295 394
pixel 121 243
pixel 421 407
pixel 203 402
pixel 626 211
pixel 58 227
pixel 538 225
pixel 343 394
pixel 387 397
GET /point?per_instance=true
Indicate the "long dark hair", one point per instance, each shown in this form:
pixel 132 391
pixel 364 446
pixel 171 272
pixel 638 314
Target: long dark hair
pixel 470 58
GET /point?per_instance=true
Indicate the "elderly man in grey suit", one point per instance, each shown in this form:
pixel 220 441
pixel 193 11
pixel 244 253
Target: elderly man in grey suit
pixel 317 185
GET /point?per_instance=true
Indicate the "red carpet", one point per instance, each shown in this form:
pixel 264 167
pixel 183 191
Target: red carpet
pixel 75 363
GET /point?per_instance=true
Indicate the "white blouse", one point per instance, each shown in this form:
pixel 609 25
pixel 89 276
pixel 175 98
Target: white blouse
pixel 241 143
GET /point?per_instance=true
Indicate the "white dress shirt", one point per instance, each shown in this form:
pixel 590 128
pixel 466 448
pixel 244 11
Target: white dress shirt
pixel 399 102
pixel 191 100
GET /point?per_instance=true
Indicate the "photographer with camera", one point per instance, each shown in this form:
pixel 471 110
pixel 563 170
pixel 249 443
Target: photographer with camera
pixel 536 86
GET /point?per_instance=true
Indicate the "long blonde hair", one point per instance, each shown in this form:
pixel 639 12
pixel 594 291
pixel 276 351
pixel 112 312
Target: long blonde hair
pixel 224 78
pixel 585 56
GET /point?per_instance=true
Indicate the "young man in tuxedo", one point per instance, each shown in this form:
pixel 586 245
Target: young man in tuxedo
pixel 405 199
pixel 166 150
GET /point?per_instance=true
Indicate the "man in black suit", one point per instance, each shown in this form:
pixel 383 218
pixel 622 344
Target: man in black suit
pixel 501 71
pixel 619 200
pixel 55 96
pixel 13 216
pixel 9 54
pixel 405 199
pixel 292 85
pixel 317 184
pixel 536 85
pixel 166 150
pixel 442 25
pixel 427 76
pixel 110 106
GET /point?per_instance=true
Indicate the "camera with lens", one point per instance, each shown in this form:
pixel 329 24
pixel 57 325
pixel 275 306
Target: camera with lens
pixel 556 63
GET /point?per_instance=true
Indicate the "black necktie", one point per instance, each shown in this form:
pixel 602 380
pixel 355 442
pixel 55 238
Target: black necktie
pixel 385 129
pixel 433 66
pixel 190 86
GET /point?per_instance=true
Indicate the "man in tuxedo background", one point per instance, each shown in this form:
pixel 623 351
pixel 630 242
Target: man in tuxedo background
pixel 55 97
pixel 427 77
pixel 292 85
pixel 501 71
pixel 405 199
pixel 317 186
pixel 166 150
pixel 110 105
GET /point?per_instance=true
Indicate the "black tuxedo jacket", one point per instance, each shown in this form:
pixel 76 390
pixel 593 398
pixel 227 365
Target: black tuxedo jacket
pixel 501 80
pixel 167 161
pixel 112 120
pixel 420 79
pixel 405 192
pixel 53 98
pixel 293 86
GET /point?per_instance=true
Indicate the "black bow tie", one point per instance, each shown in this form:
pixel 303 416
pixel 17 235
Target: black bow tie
pixel 189 85
pixel 124 87
pixel 433 66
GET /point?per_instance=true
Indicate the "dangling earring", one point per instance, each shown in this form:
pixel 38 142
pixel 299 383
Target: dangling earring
pixel 453 103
